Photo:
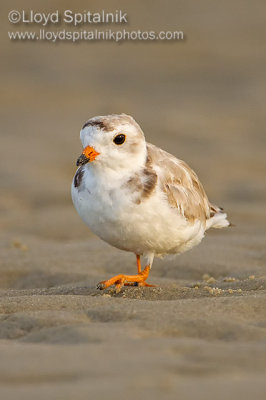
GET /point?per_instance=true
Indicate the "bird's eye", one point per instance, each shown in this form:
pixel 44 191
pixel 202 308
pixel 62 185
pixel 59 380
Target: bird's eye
pixel 119 139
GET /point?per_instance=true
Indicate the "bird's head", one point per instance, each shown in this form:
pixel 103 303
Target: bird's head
pixel 114 142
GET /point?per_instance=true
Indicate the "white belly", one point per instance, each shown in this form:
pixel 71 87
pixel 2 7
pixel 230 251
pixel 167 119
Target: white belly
pixel 149 227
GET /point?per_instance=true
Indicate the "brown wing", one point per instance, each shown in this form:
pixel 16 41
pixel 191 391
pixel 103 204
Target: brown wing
pixel 180 185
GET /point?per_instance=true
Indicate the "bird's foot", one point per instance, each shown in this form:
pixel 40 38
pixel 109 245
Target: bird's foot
pixel 129 280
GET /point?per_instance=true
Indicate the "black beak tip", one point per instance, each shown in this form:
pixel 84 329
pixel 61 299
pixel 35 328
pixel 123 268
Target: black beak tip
pixel 82 160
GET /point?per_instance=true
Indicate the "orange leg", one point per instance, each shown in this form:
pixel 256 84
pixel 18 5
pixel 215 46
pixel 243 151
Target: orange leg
pixel 138 263
pixel 129 280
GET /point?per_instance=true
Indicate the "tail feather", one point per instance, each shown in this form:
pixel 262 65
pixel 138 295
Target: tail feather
pixel 218 218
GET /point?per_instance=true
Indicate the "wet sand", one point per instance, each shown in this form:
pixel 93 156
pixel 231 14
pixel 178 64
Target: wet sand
pixel 201 332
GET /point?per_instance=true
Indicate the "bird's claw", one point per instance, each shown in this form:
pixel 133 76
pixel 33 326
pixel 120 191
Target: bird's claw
pixel 100 286
pixel 128 280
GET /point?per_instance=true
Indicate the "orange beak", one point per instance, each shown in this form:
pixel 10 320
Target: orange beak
pixel 88 155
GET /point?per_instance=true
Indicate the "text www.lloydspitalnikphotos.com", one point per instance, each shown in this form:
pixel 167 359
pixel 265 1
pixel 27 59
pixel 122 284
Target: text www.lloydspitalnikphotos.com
pixel 43 20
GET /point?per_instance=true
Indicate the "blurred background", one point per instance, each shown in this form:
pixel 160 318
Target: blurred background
pixel 202 99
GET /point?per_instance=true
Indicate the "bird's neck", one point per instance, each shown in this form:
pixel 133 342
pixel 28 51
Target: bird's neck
pixel 120 171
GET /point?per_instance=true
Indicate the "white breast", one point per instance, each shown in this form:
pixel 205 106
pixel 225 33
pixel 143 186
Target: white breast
pixel 151 226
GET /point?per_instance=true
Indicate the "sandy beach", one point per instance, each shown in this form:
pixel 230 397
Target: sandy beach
pixel 201 333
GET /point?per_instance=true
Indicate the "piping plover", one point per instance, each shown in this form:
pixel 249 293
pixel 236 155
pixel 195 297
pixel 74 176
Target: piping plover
pixel 138 197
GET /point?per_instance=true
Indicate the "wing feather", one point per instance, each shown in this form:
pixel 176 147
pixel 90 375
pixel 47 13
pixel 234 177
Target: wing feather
pixel 182 187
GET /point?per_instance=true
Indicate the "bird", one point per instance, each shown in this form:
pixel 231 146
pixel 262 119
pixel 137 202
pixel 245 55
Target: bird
pixel 138 197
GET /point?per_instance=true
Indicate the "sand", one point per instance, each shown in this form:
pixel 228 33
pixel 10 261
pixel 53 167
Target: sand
pixel 201 333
